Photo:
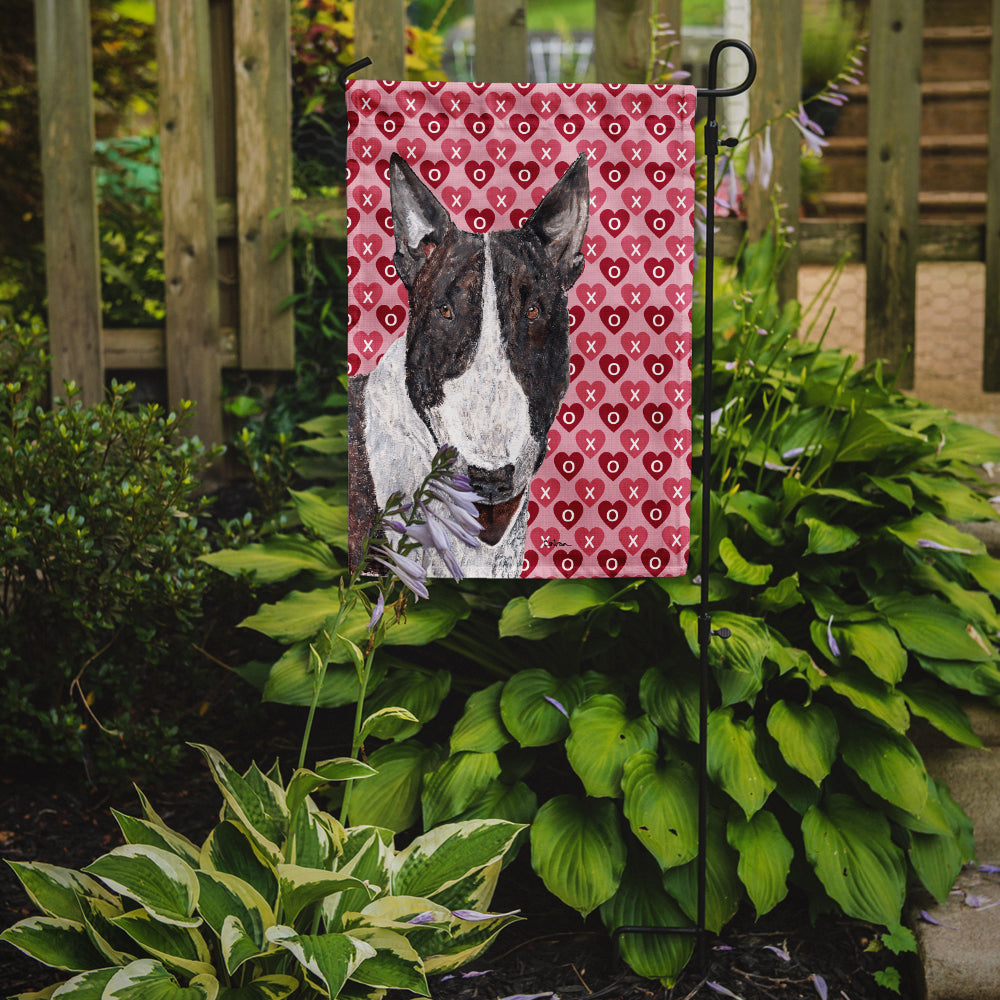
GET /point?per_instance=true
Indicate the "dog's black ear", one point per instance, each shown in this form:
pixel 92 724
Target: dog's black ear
pixel 560 221
pixel 419 220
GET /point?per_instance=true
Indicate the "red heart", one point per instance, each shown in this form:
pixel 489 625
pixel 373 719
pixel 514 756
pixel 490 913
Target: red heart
pixel 590 441
pixel 367 148
pixel 500 102
pixel 353 315
pixel 636 295
pixel 590 490
pixel 434 125
pixel 613 463
pixel 434 171
pixel 678 295
pixel 528 563
pixel 457 198
pixel 612 561
pixel 593 247
pixel 589 538
pixel 615 318
pixel 543 150
pixel 660 174
pixel 353 266
pixel 680 345
pixel 636 199
pixel 635 393
pixel 615 126
pixel 656 463
pixel 659 222
pixel 591 104
pixel 568 465
pixel 367 344
pixel 479 220
pixel 590 392
pixel 524 172
pixel 546 105
pixel 677 393
pixel 682 153
pixel 456 150
pixel 502 199
pixel 614 222
pixel 658 269
pixel 545 490
pixel 658 319
pixel 591 295
pixel 567 514
pixel 519 217
pixel 367 295
pixel 614 268
pixel 386 268
pixel 677 538
pixel 677 491
pixel 367 245
pixel 552 441
pixel 411 148
pixel 636 104
pixel 391 317
pixel 636 344
pixel 410 101
pixel 389 124
pixel 593 149
pixel 656 512
pixel 575 316
pixel 633 537
pixel 568 561
pixel 635 441
pixel 636 151
pixel 543 538
pixel 576 363
pixel 479 171
pixel 523 87
pixel 633 490
pixel 655 560
pixel 613 366
pixel 591 343
pixel 384 219
pixel 612 512
pixel 524 126
pixel 479 126
pixel 365 102
pixel 636 246
pixel 500 150
pixel 613 414
pixel 659 126
pixel 657 415
pixel 569 415
pixel 353 364
pixel 680 247
pixel 657 366
pixel 353 218
pixel 614 174
pixel 569 126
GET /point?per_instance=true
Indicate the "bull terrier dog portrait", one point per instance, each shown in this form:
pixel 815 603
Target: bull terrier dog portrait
pixel 483 366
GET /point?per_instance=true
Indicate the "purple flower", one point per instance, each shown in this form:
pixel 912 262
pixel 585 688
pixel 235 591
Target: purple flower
pixel 820 983
pixel 427 917
pixel 410 572
pixel 811 132
pixel 377 612
pixel 834 648
pixel 927 543
pixel 475 915
pixel 558 705
pixel 761 163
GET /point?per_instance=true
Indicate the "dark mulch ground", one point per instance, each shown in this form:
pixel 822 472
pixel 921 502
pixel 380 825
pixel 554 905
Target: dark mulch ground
pixel 551 951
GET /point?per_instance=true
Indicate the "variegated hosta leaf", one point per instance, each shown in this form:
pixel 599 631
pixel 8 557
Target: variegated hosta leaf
pixel 177 947
pixel 300 887
pixel 87 986
pixel 56 891
pixel 441 857
pixel 315 838
pixel 732 760
pixel 54 941
pixel 578 851
pixel 328 959
pixel 661 799
pixel 850 847
pixel 229 848
pixel 765 858
pixel 225 897
pixel 274 987
pixel 602 737
pixel 457 784
pixel 391 799
pixel 367 853
pixel 642 902
pixel 141 831
pixel 481 727
pixel 535 706
pixel 395 964
pixel 466 941
pixel 256 801
pixel 147 979
pixel 807 736
pixel 116 946
pixel 476 890
pixel 158 880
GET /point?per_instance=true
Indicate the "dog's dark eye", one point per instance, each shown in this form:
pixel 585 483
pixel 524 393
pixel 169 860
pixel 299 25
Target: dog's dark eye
pixel 532 312
pixel 445 311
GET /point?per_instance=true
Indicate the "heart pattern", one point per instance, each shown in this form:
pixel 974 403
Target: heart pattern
pixel 612 496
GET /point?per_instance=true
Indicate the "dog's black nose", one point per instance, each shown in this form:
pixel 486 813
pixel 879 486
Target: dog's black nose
pixel 493 485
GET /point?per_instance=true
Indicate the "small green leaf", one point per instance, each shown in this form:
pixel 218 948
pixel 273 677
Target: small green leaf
pixel 56 891
pixel 671 699
pixel 765 858
pixel 559 598
pixel 741 571
pixel 807 736
pixel 383 723
pixel 327 520
pixel 888 763
pixel 481 727
pixel 180 948
pixel 301 887
pixel 456 785
pixel 932 628
pixel 732 760
pixel 279 558
pixel 936 704
pixel 517 620
pixel 828 539
pixel 147 979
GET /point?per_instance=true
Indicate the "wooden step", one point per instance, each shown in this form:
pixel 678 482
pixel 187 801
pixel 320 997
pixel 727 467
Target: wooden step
pixel 956 53
pixel 940 13
pixel 957 206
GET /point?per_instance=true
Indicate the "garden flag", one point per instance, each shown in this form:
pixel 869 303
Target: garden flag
pixel 520 262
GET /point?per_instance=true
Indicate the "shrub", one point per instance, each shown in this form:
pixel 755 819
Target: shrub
pixel 99 539
pixel 280 899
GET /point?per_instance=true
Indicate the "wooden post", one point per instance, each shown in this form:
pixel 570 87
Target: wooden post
pixel 501 41
pixel 190 254
pixel 622 40
pixel 776 34
pixel 72 256
pixel 991 333
pixel 380 34
pixel 893 184
pixel 262 60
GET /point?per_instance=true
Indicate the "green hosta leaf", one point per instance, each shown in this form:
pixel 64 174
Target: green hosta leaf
pixel 893 488
pixel 515 803
pixel 230 849
pixel 850 847
pixel 301 887
pixel 260 809
pixel 180 948
pixel 386 723
pixel 391 798
pixel 976 678
pixel 147 979
pixel 275 987
pixel 941 709
pixel 304 782
pixel 279 558
pixel 986 572
pixel 807 736
pixel 465 941
pixel 395 964
pixel 671 699
pixel 367 853
pixel 481 728
pixel 327 520
pixel 415 689
pixel 751 574
pixel 438 859
pixel 765 858
pixel 292 680
pixel 456 784
pixel 928 528
pixel 723 889
pixel 876 646
pixel 641 901
pixel 578 851
pixel 931 628
pixel 54 941
pixel 602 738
pixel 937 860
pixel 738 661
pixel 56 891
pixel 888 763
pixel 559 598
pixel 965 443
pixel 732 760
pixel 870 436
pixel 517 620
pixel 758 511
pixel 661 799
pixel 828 539
pixel 159 881
pixel 528 714
pixel 975 605
pixel 225 897
pixel 783 595
pixel 864 692
pixel 957 501
pixel 330 959
pixel 98 916
pixel 141 831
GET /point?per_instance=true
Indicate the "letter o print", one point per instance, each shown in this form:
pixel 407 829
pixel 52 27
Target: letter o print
pixel 479 175
pixel 567 565
pixel 569 419
pixel 614 418
pixel 524 175
pixel 655 562
pixel 660 176
pixel 611 566
pixel 612 515
pixel 434 175
pixel 566 516
pixel 614 177
pixel 659 129
pixel 568 467
pixel 613 467
pixel 656 417
pixel 614 272
pixel 433 127
pixel 656 466
pixel 524 127
pixel 479 224
pixel 614 369
pixel 655 514
pixel 524 565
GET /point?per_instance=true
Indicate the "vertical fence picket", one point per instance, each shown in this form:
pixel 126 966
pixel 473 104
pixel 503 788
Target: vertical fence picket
pixel 501 41
pixel 380 34
pixel 667 14
pixel 261 59
pixel 892 218
pixel 621 40
pixel 190 253
pixel 72 257
pixel 991 332
pixel 776 34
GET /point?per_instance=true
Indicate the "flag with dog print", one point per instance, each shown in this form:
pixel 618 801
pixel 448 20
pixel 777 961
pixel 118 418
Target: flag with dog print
pixel 520 261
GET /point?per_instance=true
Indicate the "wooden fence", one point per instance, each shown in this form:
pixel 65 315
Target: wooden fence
pixel 226 160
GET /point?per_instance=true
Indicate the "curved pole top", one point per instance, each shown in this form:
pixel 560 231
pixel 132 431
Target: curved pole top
pixel 713 69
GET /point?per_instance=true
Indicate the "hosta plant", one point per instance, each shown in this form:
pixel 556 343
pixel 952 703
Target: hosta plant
pixel 279 900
